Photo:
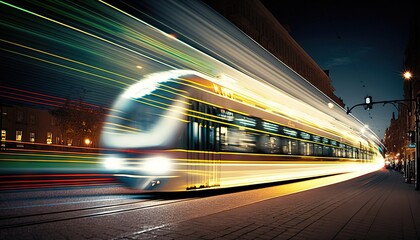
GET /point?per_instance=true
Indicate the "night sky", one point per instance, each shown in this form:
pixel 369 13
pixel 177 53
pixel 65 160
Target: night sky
pixel 361 44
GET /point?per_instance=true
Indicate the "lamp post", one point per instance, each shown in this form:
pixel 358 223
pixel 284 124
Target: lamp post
pixel 407 171
pixel 408 76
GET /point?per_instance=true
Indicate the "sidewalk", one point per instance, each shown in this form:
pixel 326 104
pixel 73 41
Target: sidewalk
pixel 375 206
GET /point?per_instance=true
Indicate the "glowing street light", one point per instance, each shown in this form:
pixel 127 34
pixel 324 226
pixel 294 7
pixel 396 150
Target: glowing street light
pixel 407 75
pixel 88 141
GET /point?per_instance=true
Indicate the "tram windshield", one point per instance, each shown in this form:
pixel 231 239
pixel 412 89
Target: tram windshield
pixel 145 120
pixel 142 114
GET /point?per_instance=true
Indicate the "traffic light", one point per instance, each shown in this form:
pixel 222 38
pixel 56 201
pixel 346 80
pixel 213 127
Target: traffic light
pixel 368 102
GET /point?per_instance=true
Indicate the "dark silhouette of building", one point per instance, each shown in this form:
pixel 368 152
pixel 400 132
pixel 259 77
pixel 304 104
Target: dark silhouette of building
pixel 399 137
pixel 396 139
pixel 26 126
pixel 254 19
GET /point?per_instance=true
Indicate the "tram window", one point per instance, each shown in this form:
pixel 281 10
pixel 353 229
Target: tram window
pixel 237 139
pixel 195 135
pixel 211 137
pixel 349 152
pixel 245 121
pixel 302 148
pixel 269 144
pixel 310 149
pixel 334 152
pixel 270 127
pixel 294 146
pixel 305 148
pixel 290 146
pixel 285 146
pixel 327 151
pixel 224 138
pixel 318 150
pixel 142 117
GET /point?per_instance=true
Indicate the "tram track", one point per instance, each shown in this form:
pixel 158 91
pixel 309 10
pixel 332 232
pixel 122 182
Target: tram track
pixel 87 212
pixel 16 221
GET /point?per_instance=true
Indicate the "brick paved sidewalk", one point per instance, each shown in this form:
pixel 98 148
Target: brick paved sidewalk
pixel 375 206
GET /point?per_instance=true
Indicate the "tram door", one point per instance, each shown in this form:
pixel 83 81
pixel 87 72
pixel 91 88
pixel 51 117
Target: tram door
pixel 204 146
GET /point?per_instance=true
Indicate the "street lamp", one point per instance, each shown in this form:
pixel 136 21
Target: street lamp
pixel 407 172
pixel 408 76
pixel 88 141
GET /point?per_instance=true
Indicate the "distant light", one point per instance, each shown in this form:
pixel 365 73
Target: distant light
pixel 407 75
pixel 330 105
pixel 139 67
pixel 88 141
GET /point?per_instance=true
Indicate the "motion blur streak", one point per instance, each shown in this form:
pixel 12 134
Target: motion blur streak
pixel 183 98
pixel 67 59
pixel 29 181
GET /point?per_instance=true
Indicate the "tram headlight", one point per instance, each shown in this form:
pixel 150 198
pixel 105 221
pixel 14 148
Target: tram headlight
pixel 157 165
pixel 113 162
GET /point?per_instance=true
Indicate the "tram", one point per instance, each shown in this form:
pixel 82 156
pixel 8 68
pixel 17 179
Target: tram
pixel 181 130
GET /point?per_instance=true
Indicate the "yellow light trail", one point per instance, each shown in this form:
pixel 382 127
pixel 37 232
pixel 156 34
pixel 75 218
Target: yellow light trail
pixel 67 67
pixel 197 114
pixel 69 60
pixel 170 50
pixel 86 33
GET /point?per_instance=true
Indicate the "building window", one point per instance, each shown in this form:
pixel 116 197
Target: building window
pixel 49 138
pixel 19 117
pixel 32 137
pixel 3 139
pixel 19 136
pixel 32 119
pixel 3 135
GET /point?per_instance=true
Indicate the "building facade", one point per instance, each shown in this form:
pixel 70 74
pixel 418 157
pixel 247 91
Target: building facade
pixel 254 19
pixel 30 127
pixel 400 136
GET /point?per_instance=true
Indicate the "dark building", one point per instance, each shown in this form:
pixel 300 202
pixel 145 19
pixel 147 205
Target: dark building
pixel 399 137
pixel 26 126
pixel 396 139
pixel 254 19
pixel 23 124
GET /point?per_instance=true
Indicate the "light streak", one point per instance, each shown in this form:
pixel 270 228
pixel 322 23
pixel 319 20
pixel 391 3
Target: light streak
pixel 68 59
pixel 84 32
pixel 100 46
pixel 67 67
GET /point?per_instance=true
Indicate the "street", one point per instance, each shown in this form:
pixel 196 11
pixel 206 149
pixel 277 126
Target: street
pixel 108 212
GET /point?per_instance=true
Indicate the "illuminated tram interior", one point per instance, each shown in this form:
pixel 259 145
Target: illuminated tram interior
pixel 187 132
pixel 194 120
